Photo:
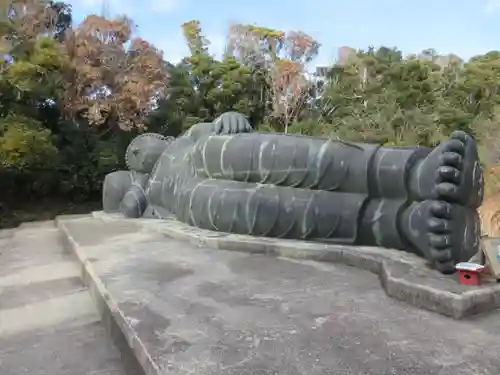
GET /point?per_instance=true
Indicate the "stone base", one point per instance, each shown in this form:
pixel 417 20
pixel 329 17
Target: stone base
pixel 403 276
pixel 184 307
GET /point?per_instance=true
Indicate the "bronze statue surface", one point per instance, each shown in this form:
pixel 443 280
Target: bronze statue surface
pixel 223 177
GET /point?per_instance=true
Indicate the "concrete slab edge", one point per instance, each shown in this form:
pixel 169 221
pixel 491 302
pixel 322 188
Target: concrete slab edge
pixel 422 295
pixel 133 349
pixel 121 331
pixel 7 233
pixel 454 305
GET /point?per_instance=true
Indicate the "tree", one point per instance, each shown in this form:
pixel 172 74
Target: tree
pixel 111 83
pixel 172 116
pixel 213 86
pixel 196 41
pixel 72 96
pixel 25 144
pixel 378 96
pixel 284 58
pixel 23 21
pixel 288 87
pixel 254 45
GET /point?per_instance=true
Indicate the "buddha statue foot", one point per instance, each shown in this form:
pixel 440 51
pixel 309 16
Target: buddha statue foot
pixel 444 233
pixel 451 172
pixel 447 187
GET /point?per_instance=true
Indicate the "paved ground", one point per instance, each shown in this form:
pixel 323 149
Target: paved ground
pixel 48 322
pixel 201 311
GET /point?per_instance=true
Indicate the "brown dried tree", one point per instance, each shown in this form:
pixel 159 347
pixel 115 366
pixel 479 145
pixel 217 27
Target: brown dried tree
pixel 284 56
pixel 22 21
pixel 300 47
pixel 288 81
pixel 288 85
pixel 113 76
pixel 254 44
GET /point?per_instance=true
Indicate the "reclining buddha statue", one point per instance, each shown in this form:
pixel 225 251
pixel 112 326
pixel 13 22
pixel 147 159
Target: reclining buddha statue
pixel 221 176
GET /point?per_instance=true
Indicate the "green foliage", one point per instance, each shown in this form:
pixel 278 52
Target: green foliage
pixel 25 144
pixel 377 95
pixel 202 88
pixel 310 127
pixel 38 71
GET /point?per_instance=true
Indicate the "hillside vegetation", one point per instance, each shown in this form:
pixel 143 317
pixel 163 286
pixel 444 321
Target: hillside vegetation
pixel 72 97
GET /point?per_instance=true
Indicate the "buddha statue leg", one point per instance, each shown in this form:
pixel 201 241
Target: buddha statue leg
pixel 439 220
pixel 422 200
pixel 443 233
pixel 266 210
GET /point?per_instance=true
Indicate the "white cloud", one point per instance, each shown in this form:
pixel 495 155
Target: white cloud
pixel 492 7
pixel 173 45
pixel 129 7
pixel 217 44
pixel 164 6
pixel 86 3
pixel 175 49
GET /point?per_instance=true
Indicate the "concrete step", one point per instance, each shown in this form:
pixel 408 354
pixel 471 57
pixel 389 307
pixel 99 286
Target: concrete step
pixel 48 321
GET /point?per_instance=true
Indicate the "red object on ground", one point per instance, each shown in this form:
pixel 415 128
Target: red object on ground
pixel 469 273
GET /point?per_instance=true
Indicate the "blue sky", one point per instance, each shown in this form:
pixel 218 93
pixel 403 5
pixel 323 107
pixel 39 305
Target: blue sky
pixel 464 27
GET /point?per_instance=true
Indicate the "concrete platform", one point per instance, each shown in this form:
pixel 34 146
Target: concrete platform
pixel 48 320
pixel 403 276
pixel 185 307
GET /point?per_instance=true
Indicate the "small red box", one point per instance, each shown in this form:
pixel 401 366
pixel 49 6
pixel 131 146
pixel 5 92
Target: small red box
pixel 469 273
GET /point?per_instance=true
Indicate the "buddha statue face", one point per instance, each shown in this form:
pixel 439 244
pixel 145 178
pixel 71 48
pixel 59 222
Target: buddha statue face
pixel 144 151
